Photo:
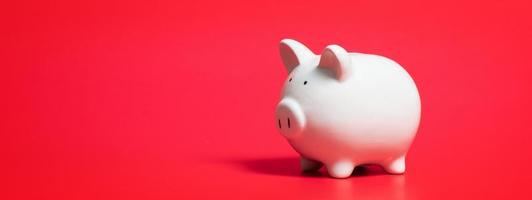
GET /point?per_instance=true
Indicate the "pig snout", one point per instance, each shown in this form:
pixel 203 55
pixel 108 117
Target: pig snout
pixel 290 118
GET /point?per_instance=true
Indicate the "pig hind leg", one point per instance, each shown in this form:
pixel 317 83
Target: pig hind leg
pixel 395 166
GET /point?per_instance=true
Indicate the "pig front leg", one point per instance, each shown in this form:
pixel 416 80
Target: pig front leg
pixel 308 165
pixel 341 169
pixel 395 166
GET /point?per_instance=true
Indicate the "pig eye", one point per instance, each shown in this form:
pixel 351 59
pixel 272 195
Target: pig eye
pixel 304 83
pixel 290 80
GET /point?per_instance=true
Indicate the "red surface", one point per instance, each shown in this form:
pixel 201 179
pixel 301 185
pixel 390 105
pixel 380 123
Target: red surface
pixel 175 100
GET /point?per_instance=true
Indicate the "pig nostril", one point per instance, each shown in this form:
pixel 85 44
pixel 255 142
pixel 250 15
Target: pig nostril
pixel 279 123
pixel 288 122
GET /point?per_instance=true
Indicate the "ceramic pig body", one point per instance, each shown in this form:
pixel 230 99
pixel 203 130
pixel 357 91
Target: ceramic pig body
pixel 345 109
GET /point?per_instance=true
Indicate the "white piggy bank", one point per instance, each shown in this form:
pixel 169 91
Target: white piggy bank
pixel 345 109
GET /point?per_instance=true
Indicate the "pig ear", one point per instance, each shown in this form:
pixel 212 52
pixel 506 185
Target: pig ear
pixel 294 54
pixel 336 59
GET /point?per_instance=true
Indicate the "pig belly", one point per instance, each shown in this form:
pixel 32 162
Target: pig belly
pixel 329 150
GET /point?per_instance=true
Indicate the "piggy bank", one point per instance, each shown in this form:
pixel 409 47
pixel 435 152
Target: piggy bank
pixel 342 109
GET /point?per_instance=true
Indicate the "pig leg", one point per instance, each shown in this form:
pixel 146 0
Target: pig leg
pixel 341 169
pixel 396 166
pixel 308 165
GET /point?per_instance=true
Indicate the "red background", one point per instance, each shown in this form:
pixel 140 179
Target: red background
pixel 172 100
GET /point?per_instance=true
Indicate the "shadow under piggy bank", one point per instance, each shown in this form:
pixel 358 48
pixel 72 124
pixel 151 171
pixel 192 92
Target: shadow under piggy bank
pixel 289 166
